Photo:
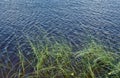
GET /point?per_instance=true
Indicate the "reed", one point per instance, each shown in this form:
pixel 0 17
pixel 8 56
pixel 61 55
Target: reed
pixel 57 60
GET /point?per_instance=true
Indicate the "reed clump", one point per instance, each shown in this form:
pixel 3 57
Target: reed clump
pixel 58 61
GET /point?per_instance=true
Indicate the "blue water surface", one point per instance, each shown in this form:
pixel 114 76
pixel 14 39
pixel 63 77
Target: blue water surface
pixel 75 20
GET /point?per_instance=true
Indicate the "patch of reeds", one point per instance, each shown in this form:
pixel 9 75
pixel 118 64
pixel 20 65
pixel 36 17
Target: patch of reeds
pixel 58 61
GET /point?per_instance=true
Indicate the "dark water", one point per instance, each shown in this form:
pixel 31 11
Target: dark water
pixel 75 20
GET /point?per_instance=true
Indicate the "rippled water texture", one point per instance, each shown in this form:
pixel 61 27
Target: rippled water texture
pixel 73 19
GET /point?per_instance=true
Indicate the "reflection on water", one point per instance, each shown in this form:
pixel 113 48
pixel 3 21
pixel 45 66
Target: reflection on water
pixel 73 19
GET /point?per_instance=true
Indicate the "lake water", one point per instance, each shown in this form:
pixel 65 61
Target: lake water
pixel 75 20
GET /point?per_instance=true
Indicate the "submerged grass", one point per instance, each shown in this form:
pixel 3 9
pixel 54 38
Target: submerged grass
pixel 58 61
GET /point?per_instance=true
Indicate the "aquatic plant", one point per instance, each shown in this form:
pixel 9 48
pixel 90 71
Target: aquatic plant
pixel 57 60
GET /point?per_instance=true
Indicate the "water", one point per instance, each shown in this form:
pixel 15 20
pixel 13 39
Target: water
pixel 75 20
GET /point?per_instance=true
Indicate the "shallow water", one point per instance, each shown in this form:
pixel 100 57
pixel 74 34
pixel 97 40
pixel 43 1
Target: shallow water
pixel 75 20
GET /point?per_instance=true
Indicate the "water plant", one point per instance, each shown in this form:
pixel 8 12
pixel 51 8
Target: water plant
pixel 56 60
